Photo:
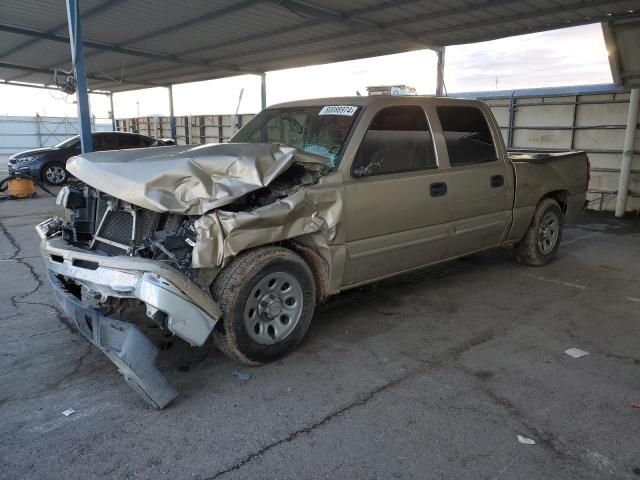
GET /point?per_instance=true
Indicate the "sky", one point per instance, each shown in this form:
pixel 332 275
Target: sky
pixel 572 56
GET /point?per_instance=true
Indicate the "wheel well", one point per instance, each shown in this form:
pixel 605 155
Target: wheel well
pixel 317 264
pixel 560 196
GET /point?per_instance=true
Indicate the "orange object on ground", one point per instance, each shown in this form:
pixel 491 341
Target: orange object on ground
pixel 21 188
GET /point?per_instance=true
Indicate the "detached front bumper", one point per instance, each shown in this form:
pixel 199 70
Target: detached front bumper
pixel 169 296
pixel 122 343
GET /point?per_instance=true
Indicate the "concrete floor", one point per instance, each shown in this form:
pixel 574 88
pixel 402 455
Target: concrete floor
pixel 430 375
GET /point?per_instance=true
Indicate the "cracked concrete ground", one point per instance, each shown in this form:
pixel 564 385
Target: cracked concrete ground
pixel 429 375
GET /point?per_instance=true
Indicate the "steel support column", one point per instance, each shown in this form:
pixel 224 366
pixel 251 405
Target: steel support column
pixel 77 57
pixel 440 73
pixel 172 118
pixel 627 152
pixel 263 90
pixel 114 127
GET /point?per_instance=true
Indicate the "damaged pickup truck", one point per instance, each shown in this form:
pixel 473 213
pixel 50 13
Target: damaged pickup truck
pixel 241 241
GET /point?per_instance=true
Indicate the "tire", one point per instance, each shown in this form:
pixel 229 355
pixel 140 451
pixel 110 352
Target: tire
pixel 55 173
pixel 267 297
pixel 542 240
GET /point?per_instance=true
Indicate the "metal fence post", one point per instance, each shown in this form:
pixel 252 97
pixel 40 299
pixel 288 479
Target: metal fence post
pixel 263 90
pixel 172 118
pixel 440 73
pixel 627 152
pixel 114 127
pixel 38 133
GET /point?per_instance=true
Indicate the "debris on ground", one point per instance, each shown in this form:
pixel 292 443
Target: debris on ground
pixel 525 440
pixel 68 411
pixel 241 375
pixel 576 352
pixel 635 405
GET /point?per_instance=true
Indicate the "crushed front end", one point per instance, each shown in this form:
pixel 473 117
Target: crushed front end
pixel 107 256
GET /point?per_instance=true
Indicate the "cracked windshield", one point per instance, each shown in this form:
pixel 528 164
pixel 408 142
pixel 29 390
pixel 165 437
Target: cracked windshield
pixel 318 130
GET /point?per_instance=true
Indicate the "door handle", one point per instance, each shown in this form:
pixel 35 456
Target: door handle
pixel 438 189
pixel 497 181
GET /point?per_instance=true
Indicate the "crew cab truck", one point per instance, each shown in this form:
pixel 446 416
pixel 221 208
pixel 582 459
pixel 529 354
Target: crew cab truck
pixel 240 241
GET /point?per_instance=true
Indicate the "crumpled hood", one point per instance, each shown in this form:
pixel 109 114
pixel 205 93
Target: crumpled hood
pixel 185 179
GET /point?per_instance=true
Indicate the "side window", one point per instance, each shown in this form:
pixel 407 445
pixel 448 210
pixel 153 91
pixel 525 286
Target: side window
pixel 398 140
pixel 467 135
pixel 128 141
pixel 146 141
pixel 104 141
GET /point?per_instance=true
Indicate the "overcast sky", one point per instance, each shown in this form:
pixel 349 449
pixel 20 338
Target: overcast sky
pixel 572 56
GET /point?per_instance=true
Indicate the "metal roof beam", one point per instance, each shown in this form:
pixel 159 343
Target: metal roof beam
pixel 220 12
pixel 357 24
pixel 523 16
pixel 259 51
pixel 559 24
pixel 116 49
pixel 30 69
pixel 451 11
pixel 94 11
pixel 44 86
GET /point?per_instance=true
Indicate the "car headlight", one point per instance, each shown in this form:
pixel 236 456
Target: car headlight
pixel 26 159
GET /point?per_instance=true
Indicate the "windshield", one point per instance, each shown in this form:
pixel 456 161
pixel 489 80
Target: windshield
pixel 319 130
pixel 69 142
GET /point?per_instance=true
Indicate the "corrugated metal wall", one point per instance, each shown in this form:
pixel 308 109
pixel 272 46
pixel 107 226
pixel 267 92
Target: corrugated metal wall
pixel 23 133
pixel 192 129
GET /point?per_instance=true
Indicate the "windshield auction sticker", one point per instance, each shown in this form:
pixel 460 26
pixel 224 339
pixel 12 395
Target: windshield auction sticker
pixel 346 110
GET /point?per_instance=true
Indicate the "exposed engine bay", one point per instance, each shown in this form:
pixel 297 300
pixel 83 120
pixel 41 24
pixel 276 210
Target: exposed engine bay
pixel 100 222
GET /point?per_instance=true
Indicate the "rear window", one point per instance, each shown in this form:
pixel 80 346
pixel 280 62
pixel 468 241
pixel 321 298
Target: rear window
pixel 467 135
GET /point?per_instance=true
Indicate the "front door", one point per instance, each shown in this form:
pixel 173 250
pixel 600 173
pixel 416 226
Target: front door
pixel 395 199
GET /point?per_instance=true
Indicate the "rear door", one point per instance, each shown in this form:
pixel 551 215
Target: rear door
pixel 480 187
pixel 395 198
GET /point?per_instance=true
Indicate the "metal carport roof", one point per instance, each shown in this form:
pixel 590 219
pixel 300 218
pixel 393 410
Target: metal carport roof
pixel 147 43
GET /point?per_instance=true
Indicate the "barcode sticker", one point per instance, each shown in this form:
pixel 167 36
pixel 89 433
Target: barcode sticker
pixel 346 110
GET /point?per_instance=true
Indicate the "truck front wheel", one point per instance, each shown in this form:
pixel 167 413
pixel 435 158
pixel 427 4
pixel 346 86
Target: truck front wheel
pixel 541 242
pixel 267 297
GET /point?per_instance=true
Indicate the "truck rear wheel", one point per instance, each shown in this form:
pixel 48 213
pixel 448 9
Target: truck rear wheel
pixel 541 242
pixel 267 297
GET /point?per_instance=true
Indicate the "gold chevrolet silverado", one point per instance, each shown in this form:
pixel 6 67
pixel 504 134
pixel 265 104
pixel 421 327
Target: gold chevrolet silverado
pixel 240 241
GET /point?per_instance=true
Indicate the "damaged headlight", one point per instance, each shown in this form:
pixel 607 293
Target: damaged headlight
pixel 49 228
pixel 70 199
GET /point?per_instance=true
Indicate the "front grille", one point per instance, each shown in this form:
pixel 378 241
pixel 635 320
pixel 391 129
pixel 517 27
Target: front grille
pixel 118 226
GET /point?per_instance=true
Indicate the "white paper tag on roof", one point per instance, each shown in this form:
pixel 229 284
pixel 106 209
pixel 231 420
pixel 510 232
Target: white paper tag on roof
pixel 346 110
